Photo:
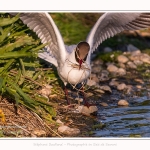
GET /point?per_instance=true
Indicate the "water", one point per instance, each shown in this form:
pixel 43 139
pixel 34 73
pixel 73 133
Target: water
pixel 132 121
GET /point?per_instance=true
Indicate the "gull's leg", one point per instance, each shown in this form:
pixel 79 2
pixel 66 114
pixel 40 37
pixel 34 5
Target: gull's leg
pixel 66 95
pixel 85 102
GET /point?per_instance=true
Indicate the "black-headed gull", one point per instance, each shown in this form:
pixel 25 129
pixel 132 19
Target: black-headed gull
pixel 73 62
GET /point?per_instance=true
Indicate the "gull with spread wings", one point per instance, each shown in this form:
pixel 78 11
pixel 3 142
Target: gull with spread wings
pixel 73 62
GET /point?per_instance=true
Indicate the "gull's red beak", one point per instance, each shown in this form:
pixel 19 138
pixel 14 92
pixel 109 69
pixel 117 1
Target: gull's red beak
pixel 80 63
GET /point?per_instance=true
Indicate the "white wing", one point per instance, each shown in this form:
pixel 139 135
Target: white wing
pixel 109 24
pixel 43 25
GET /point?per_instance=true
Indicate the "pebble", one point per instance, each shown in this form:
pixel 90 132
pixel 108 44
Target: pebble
pixel 68 131
pixel 104 75
pixel 139 80
pixel 122 65
pixel 46 90
pixel 91 82
pixel 87 110
pixel 107 49
pixel 138 86
pixel 96 69
pixel 93 109
pixel 122 59
pixel 136 52
pixel 112 68
pixel 145 58
pixel 121 72
pixel 98 62
pixel 89 94
pixel 99 91
pixel 134 57
pixel 123 102
pixel 94 77
pixel 113 83
pixel 131 48
pixel 121 86
pixel 137 62
pixel 106 88
pixel 131 65
pixel 39 133
pixel 104 104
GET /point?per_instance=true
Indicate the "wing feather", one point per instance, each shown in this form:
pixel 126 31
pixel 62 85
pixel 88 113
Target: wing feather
pixel 43 25
pixel 110 24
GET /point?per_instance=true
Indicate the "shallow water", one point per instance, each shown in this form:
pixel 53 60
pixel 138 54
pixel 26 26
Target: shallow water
pixel 131 121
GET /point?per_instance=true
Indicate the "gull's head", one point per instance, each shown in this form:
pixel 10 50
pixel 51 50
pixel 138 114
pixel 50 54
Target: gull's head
pixel 81 52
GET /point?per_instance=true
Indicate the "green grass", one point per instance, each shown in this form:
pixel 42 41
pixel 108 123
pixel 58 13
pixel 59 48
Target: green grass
pixel 20 68
pixel 74 27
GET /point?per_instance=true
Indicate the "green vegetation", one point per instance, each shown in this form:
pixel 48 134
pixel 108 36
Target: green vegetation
pixel 20 68
pixel 74 27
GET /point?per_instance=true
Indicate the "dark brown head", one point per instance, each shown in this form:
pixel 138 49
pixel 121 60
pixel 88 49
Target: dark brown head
pixel 81 52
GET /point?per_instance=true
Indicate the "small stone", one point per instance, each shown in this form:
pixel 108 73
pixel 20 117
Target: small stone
pixel 131 48
pixel 107 49
pixel 63 128
pixel 93 109
pixel 39 132
pixel 121 72
pixel 91 82
pixel 68 131
pixel 139 80
pixel 137 52
pixel 121 86
pixel 87 110
pixel 46 90
pixel 99 91
pixel 104 104
pixel 113 83
pixel 98 62
pixel 123 102
pixel 122 65
pixel 104 76
pixel 145 58
pixel 89 94
pixel 106 88
pixel 134 57
pixel 122 59
pixel 96 69
pixel 138 86
pixel 94 77
pixel 138 62
pixel 112 68
pixel 105 72
pixel 131 65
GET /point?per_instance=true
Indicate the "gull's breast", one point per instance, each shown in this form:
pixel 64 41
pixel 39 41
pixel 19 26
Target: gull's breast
pixel 70 73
